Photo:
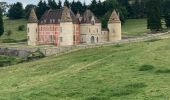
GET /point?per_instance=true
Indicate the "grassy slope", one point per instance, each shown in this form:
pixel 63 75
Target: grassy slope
pixel 106 73
pixel 13 26
pixel 135 27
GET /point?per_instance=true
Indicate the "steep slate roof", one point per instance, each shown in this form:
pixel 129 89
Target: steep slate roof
pixel 114 17
pixel 57 16
pixel 32 18
pixel 87 16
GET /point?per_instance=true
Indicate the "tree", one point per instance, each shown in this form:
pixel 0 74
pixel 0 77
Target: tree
pixel 93 6
pixel 59 4
pixel 16 11
pixel 66 3
pixel 154 15
pixel 1 23
pixel 41 8
pixel 28 10
pixel 52 4
pixel 4 6
pixel 77 7
pixel 166 12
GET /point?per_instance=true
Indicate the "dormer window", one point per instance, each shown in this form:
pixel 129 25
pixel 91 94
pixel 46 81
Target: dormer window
pixel 92 20
pixel 44 21
pixel 53 20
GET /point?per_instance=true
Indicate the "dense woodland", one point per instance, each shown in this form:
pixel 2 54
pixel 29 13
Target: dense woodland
pixel 153 10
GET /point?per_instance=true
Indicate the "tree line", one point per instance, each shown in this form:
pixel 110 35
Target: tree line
pixel 153 10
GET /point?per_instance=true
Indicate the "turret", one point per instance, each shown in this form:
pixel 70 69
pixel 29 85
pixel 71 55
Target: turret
pixel 66 15
pixel 114 26
pixel 32 28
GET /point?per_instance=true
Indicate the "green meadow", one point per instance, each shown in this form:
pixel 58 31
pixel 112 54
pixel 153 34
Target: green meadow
pixel 135 71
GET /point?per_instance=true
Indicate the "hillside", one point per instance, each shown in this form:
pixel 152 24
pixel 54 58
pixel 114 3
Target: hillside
pixel 137 71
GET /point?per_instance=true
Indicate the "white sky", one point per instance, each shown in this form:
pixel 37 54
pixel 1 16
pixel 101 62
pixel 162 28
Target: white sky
pixel 25 2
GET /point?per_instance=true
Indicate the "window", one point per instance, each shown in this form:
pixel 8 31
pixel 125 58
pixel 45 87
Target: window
pixel 61 39
pixel 89 30
pixel 53 20
pixel 92 22
pixel 36 30
pixel 28 37
pixel 61 29
pixel 97 30
pixel 44 21
pixel 74 38
pixel 28 30
pixel 51 38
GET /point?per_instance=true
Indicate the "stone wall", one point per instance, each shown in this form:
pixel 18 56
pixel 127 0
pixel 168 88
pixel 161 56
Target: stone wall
pixel 23 52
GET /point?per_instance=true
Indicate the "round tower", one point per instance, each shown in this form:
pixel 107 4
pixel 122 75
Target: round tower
pixel 114 26
pixel 32 28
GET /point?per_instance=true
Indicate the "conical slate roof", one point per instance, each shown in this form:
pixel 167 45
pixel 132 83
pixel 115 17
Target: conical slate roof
pixel 32 18
pixel 114 17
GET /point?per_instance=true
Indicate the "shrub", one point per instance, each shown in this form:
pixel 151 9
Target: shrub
pixel 166 71
pixel 153 40
pixel 8 33
pixel 35 55
pixel 136 85
pixel 8 41
pixel 146 67
pixel 21 28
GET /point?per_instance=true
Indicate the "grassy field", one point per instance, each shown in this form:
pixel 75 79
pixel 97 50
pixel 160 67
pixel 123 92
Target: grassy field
pixel 6 60
pixel 135 27
pixel 137 71
pixel 13 26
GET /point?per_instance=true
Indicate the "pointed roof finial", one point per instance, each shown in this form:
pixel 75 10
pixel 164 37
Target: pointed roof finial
pixel 32 18
pixel 114 17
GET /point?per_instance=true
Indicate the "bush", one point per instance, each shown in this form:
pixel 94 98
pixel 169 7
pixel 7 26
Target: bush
pixel 146 67
pixel 8 41
pixel 21 28
pixel 165 71
pixel 8 33
pixel 35 55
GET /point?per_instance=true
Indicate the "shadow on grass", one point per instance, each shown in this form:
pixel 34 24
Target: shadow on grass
pixel 153 40
pixel 146 67
pixel 165 71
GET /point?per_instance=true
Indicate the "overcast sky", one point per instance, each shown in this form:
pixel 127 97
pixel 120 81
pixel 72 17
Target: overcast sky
pixel 25 2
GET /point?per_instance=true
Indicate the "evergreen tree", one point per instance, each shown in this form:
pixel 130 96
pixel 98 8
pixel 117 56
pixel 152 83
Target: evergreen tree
pixel 28 10
pixel 1 23
pixel 154 15
pixel 166 11
pixel 77 7
pixel 66 3
pixel 52 4
pixel 93 6
pixel 59 4
pixel 16 11
pixel 41 8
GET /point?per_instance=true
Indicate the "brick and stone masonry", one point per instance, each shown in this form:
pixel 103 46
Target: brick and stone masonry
pixel 62 27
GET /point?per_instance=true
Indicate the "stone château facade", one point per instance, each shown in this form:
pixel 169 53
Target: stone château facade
pixel 62 28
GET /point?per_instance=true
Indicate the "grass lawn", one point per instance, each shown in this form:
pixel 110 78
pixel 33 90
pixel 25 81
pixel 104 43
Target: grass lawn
pixel 6 60
pixel 137 71
pixel 135 27
pixel 13 26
